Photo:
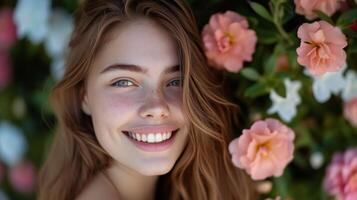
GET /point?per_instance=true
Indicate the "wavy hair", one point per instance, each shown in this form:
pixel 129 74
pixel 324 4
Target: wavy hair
pixel 204 169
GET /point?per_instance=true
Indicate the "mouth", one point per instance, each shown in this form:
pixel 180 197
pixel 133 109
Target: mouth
pixel 151 138
pixel 152 142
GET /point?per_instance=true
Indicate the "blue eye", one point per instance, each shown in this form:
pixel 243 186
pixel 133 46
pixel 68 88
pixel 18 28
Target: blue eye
pixel 176 82
pixel 122 83
pixel 127 83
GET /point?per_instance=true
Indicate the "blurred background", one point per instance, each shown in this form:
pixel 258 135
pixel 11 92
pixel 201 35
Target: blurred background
pixel 33 44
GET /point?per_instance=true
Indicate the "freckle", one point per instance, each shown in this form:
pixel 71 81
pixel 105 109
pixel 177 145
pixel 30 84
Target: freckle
pixel 122 101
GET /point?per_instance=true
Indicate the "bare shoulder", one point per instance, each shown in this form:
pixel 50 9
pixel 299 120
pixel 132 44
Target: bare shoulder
pixel 98 188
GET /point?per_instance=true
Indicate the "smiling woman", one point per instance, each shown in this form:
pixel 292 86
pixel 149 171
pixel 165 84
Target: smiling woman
pixel 140 115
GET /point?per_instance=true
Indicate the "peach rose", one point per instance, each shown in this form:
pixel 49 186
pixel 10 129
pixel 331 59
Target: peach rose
pixel 228 41
pixel 321 47
pixel 350 111
pixel 263 150
pixel 306 7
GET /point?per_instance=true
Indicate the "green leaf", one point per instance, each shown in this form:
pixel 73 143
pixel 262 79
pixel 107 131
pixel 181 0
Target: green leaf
pixel 282 184
pixel 250 74
pixel 267 36
pixel 258 89
pixel 261 10
pixel 270 64
pixel 324 17
pixel 347 18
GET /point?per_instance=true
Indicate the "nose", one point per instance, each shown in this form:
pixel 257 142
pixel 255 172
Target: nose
pixel 155 107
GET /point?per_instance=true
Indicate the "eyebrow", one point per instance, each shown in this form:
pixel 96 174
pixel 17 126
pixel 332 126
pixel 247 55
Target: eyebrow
pixel 137 69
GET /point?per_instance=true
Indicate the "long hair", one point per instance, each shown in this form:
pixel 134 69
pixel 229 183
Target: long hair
pixel 204 169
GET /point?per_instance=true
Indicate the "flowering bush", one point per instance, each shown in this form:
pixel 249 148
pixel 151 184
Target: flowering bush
pixel 290 65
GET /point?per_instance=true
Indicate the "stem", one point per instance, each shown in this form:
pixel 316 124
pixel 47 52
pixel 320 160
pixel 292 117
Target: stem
pixel 277 23
pixel 283 33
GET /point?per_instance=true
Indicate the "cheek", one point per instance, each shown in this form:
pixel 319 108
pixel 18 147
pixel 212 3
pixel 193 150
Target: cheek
pixel 112 106
pixel 174 97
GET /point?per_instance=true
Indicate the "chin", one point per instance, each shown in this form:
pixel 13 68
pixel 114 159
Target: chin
pixel 155 170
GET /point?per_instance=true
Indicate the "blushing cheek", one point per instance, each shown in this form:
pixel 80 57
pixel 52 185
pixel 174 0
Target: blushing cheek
pixel 119 106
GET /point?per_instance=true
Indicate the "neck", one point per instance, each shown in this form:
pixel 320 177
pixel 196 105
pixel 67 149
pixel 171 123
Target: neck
pixel 131 184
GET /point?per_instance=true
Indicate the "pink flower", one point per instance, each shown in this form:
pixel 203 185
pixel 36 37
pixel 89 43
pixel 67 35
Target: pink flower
pixel 350 111
pixel 7 29
pixel 263 150
pixel 306 7
pixel 341 176
pixel 321 48
pixel 22 177
pixel 5 70
pixel 228 41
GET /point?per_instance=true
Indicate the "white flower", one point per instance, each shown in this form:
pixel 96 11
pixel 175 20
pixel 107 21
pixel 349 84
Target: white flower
pixel 31 18
pixel 286 106
pixel 316 160
pixel 60 29
pixel 350 89
pixel 56 43
pixel 327 84
pixel 13 144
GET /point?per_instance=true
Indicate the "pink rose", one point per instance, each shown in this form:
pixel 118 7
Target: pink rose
pixel 7 29
pixel 350 111
pixel 263 150
pixel 341 176
pixel 5 70
pixel 228 41
pixel 306 7
pixel 321 47
pixel 22 177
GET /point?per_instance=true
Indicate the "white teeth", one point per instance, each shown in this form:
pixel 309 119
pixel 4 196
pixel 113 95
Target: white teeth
pixel 158 137
pixel 151 137
pixel 143 138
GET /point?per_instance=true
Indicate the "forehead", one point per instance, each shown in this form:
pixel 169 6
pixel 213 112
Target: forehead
pixel 141 42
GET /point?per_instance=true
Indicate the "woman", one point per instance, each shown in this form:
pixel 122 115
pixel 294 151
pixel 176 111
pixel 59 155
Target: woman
pixel 140 114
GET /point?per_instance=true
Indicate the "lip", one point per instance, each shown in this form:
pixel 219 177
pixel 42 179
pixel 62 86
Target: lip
pixel 154 147
pixel 153 129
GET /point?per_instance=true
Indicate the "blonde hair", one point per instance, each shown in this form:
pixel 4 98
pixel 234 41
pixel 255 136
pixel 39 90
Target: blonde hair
pixel 204 169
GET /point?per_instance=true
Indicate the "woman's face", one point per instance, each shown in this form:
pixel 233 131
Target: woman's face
pixel 134 86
